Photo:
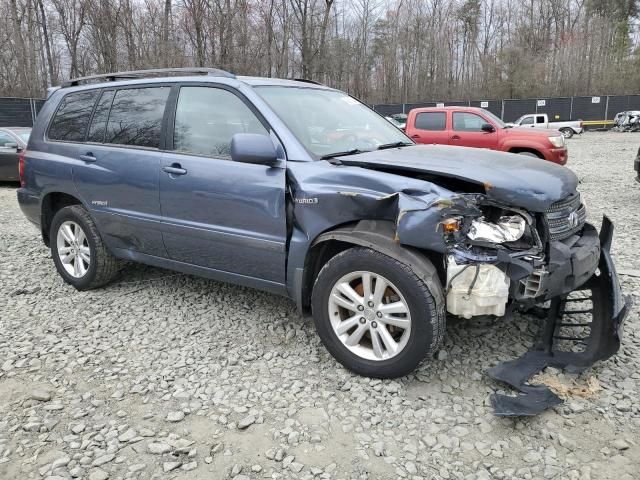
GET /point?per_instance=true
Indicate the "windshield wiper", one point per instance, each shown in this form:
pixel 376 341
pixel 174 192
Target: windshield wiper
pixel 394 145
pixel 353 151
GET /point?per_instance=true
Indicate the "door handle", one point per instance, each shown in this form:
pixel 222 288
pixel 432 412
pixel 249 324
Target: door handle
pixel 415 135
pixel 174 169
pixel 455 137
pixel 88 157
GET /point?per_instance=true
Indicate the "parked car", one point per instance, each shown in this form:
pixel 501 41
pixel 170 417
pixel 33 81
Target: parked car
pixel 541 120
pixel 12 141
pixel 396 123
pixel 216 175
pixel 476 127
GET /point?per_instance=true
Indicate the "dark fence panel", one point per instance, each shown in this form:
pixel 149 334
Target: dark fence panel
pixel 411 106
pixel 38 105
pixel 456 104
pixel 616 104
pixel 388 109
pixel 514 109
pixel 633 103
pixel 594 109
pixel 558 109
pixel 15 112
pixel 589 108
pixel 494 106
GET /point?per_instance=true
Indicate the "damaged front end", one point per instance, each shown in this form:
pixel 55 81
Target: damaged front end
pixel 507 258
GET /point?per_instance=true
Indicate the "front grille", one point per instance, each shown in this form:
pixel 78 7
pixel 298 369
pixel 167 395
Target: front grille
pixel 566 217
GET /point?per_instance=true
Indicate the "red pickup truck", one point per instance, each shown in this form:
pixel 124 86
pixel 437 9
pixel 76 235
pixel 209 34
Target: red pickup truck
pixel 476 127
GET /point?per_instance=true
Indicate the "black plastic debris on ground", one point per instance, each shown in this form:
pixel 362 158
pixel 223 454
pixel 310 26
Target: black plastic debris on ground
pixel 608 311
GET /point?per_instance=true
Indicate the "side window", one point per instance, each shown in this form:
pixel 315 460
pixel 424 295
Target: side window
pixel 136 117
pixel 207 118
pixel 5 138
pixel 72 118
pixel 100 115
pixel 435 121
pixel 467 122
pixel 539 119
pixel 527 121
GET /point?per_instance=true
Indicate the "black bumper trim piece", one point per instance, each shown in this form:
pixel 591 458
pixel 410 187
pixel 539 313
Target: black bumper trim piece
pixel 608 314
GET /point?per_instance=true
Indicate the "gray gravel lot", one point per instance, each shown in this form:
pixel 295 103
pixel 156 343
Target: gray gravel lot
pixel 162 375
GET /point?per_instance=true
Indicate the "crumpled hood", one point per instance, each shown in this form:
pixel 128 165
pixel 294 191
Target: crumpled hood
pixel 516 180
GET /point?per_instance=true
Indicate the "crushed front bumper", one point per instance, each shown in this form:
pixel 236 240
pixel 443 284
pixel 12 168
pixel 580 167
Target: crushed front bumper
pixel 602 340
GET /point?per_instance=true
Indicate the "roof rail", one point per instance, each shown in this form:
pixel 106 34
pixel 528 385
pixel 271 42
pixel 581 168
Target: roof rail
pixel 306 80
pixel 154 72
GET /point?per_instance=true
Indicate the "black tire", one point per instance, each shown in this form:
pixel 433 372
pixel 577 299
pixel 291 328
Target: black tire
pixel 103 266
pixel 529 154
pixel 427 315
pixel 567 132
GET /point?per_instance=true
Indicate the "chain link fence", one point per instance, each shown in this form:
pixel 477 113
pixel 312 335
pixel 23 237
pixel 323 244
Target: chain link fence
pixel 19 112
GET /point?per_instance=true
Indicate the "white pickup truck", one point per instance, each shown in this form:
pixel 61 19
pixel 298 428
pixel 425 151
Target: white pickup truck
pixel 541 120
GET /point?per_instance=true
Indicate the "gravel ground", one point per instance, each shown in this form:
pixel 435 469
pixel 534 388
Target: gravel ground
pixel 162 375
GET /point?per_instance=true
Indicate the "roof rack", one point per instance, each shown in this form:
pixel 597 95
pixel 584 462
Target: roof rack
pixel 155 72
pixel 306 80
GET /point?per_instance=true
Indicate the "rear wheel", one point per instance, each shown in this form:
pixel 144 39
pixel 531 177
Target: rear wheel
pixel 374 314
pixel 79 254
pixel 567 132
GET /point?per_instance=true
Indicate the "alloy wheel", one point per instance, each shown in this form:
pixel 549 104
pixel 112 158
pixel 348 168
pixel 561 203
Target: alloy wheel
pixel 369 315
pixel 73 249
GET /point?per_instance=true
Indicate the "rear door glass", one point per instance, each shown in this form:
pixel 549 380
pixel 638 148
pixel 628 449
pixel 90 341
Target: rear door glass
pixel 100 116
pixel 136 117
pixel 72 118
pixel 434 121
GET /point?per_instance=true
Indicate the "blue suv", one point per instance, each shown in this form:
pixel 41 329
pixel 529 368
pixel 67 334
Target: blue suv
pixel 301 190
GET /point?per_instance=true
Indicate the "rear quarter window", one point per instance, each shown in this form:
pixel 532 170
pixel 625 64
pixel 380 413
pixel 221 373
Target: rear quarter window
pixel 434 121
pixel 71 120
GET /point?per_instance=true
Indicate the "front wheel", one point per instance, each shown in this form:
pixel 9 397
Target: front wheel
pixel 78 251
pixel 567 132
pixel 375 315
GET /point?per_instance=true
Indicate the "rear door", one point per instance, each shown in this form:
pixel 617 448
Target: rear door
pixel 430 127
pixel 217 213
pixel 466 131
pixel 8 157
pixel 117 168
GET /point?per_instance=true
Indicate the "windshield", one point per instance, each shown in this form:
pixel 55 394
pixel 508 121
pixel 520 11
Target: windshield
pixel 328 122
pixel 495 118
pixel 24 136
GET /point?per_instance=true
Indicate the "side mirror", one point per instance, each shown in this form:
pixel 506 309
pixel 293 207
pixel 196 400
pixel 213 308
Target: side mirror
pixel 253 148
pixel 11 145
pixel 487 127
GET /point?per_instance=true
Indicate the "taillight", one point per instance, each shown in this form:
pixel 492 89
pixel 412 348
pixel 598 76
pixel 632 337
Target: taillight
pixel 21 167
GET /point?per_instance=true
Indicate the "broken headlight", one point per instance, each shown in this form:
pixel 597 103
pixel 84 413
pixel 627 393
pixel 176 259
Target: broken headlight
pixel 505 229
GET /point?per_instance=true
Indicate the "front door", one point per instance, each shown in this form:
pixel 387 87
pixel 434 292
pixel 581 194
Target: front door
pixel 467 131
pixel 217 213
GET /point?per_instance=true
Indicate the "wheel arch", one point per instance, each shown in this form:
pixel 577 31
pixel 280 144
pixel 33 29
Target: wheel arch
pixel 534 151
pixel 51 203
pixel 377 235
